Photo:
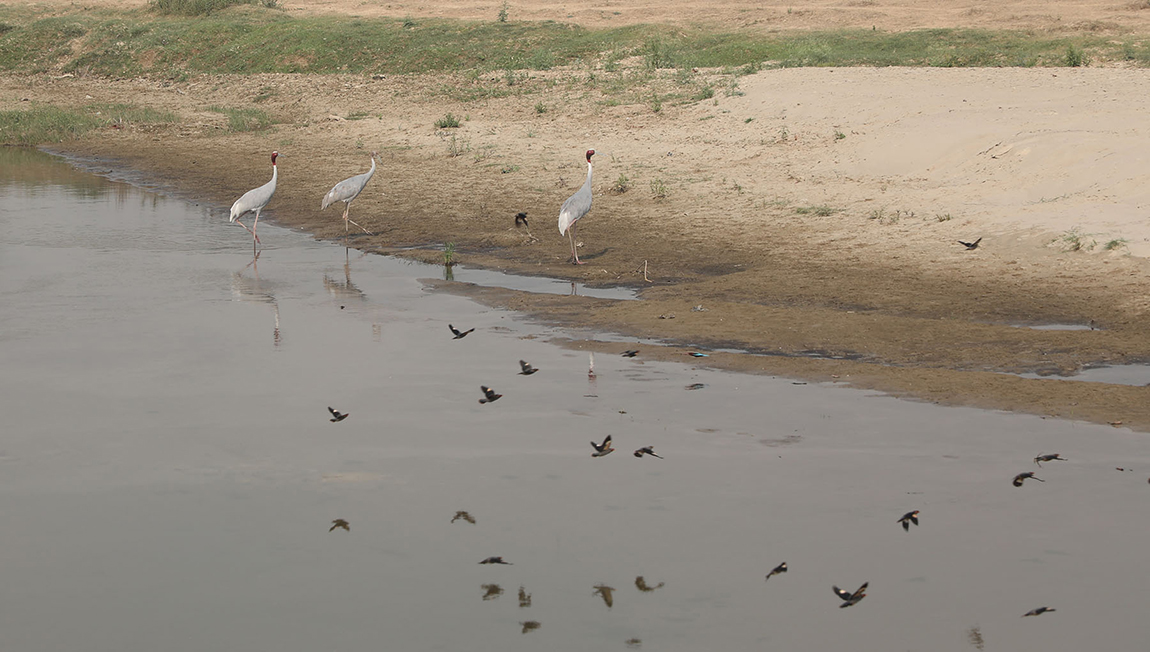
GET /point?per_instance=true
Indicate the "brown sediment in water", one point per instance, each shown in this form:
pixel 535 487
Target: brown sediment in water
pixel 832 258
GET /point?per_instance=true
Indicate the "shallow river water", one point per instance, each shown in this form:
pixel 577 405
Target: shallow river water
pixel 168 470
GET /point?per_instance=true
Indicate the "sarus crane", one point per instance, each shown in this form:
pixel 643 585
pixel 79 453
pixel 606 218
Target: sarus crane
pixel 575 207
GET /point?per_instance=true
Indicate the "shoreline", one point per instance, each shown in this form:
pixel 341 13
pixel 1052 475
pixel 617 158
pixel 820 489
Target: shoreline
pixel 742 230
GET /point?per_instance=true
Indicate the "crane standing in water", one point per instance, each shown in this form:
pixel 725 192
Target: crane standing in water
pixel 574 208
pixel 347 190
pixel 255 200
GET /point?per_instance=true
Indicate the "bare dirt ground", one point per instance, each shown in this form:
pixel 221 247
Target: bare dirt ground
pixel 813 213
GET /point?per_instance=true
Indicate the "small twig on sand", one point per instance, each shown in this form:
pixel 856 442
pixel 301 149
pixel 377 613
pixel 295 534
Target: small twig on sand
pixel 645 273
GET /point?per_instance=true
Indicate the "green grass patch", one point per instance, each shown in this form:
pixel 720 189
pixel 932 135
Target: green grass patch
pixel 52 124
pixel 186 37
pixel 203 7
pixel 244 119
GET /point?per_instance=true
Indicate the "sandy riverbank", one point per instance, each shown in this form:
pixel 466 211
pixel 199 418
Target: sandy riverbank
pixel 811 211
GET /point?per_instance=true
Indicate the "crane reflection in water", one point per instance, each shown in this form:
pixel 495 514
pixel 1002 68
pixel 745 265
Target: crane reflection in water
pixel 254 290
pixel 344 290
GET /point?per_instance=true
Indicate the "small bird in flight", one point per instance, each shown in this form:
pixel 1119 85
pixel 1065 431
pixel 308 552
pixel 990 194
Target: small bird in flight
pixel 1029 475
pixel 1039 611
pixel 641 584
pixel 602 449
pixel 339 522
pixel 1048 458
pixel 908 518
pixel 527 368
pixel 647 450
pixel 781 568
pixel 696 354
pixel 631 354
pixel 336 415
pixel 463 515
pixel 490 395
pixel 970 246
pixel 458 333
pixel 496 560
pixel 605 591
pixel 521 218
pixel 850 598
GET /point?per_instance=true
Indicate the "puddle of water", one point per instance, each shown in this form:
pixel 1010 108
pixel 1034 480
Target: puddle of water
pixel 1056 327
pixel 1128 374
pixel 485 277
pixel 168 456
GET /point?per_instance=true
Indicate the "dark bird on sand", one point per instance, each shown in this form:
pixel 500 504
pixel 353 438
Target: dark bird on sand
pixel 970 246
pixel 849 598
pixel 1048 458
pixel 1039 611
pixel 605 591
pixel 527 369
pixel 908 518
pixel 339 522
pixel 521 218
pixel 631 354
pixel 458 333
pixel 781 568
pixel 496 560
pixel 602 449
pixel 647 450
pixel 1029 475
pixel 490 395
pixel 641 584
pixel 336 415
pixel 463 515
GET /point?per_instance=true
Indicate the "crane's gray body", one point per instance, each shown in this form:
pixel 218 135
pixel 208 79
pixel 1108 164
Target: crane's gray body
pixel 348 189
pixel 256 199
pixel 577 205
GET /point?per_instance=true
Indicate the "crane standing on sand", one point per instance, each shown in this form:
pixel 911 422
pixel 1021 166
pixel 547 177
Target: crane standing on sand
pixel 575 207
pixel 255 200
pixel 347 190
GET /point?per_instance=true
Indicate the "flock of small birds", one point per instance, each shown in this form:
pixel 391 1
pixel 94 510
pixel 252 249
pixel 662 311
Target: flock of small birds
pixel 492 591
pixel 604 448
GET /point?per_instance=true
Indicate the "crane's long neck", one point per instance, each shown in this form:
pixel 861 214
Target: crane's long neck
pixel 371 171
pixel 587 183
pixel 275 173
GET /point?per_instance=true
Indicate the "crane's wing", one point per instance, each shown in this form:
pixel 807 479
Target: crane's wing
pixel 575 207
pixel 349 188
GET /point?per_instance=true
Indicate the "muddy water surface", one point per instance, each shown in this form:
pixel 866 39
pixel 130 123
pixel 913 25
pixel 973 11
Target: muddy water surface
pixel 168 472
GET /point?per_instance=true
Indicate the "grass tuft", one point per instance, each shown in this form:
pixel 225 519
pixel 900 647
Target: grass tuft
pixel 242 120
pixel 448 121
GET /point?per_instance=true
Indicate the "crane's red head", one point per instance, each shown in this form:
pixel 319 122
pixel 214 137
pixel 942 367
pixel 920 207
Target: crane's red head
pixel 590 153
pixel 274 155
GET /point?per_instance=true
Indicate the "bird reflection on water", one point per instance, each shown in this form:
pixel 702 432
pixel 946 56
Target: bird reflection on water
pixel 492 591
pixel 256 291
pixel 345 290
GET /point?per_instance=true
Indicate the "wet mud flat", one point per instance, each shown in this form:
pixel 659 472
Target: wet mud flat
pixel 175 472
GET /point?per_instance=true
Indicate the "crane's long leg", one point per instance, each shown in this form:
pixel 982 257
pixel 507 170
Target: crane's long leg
pixel 249 231
pixel 346 219
pixel 255 225
pixel 574 251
